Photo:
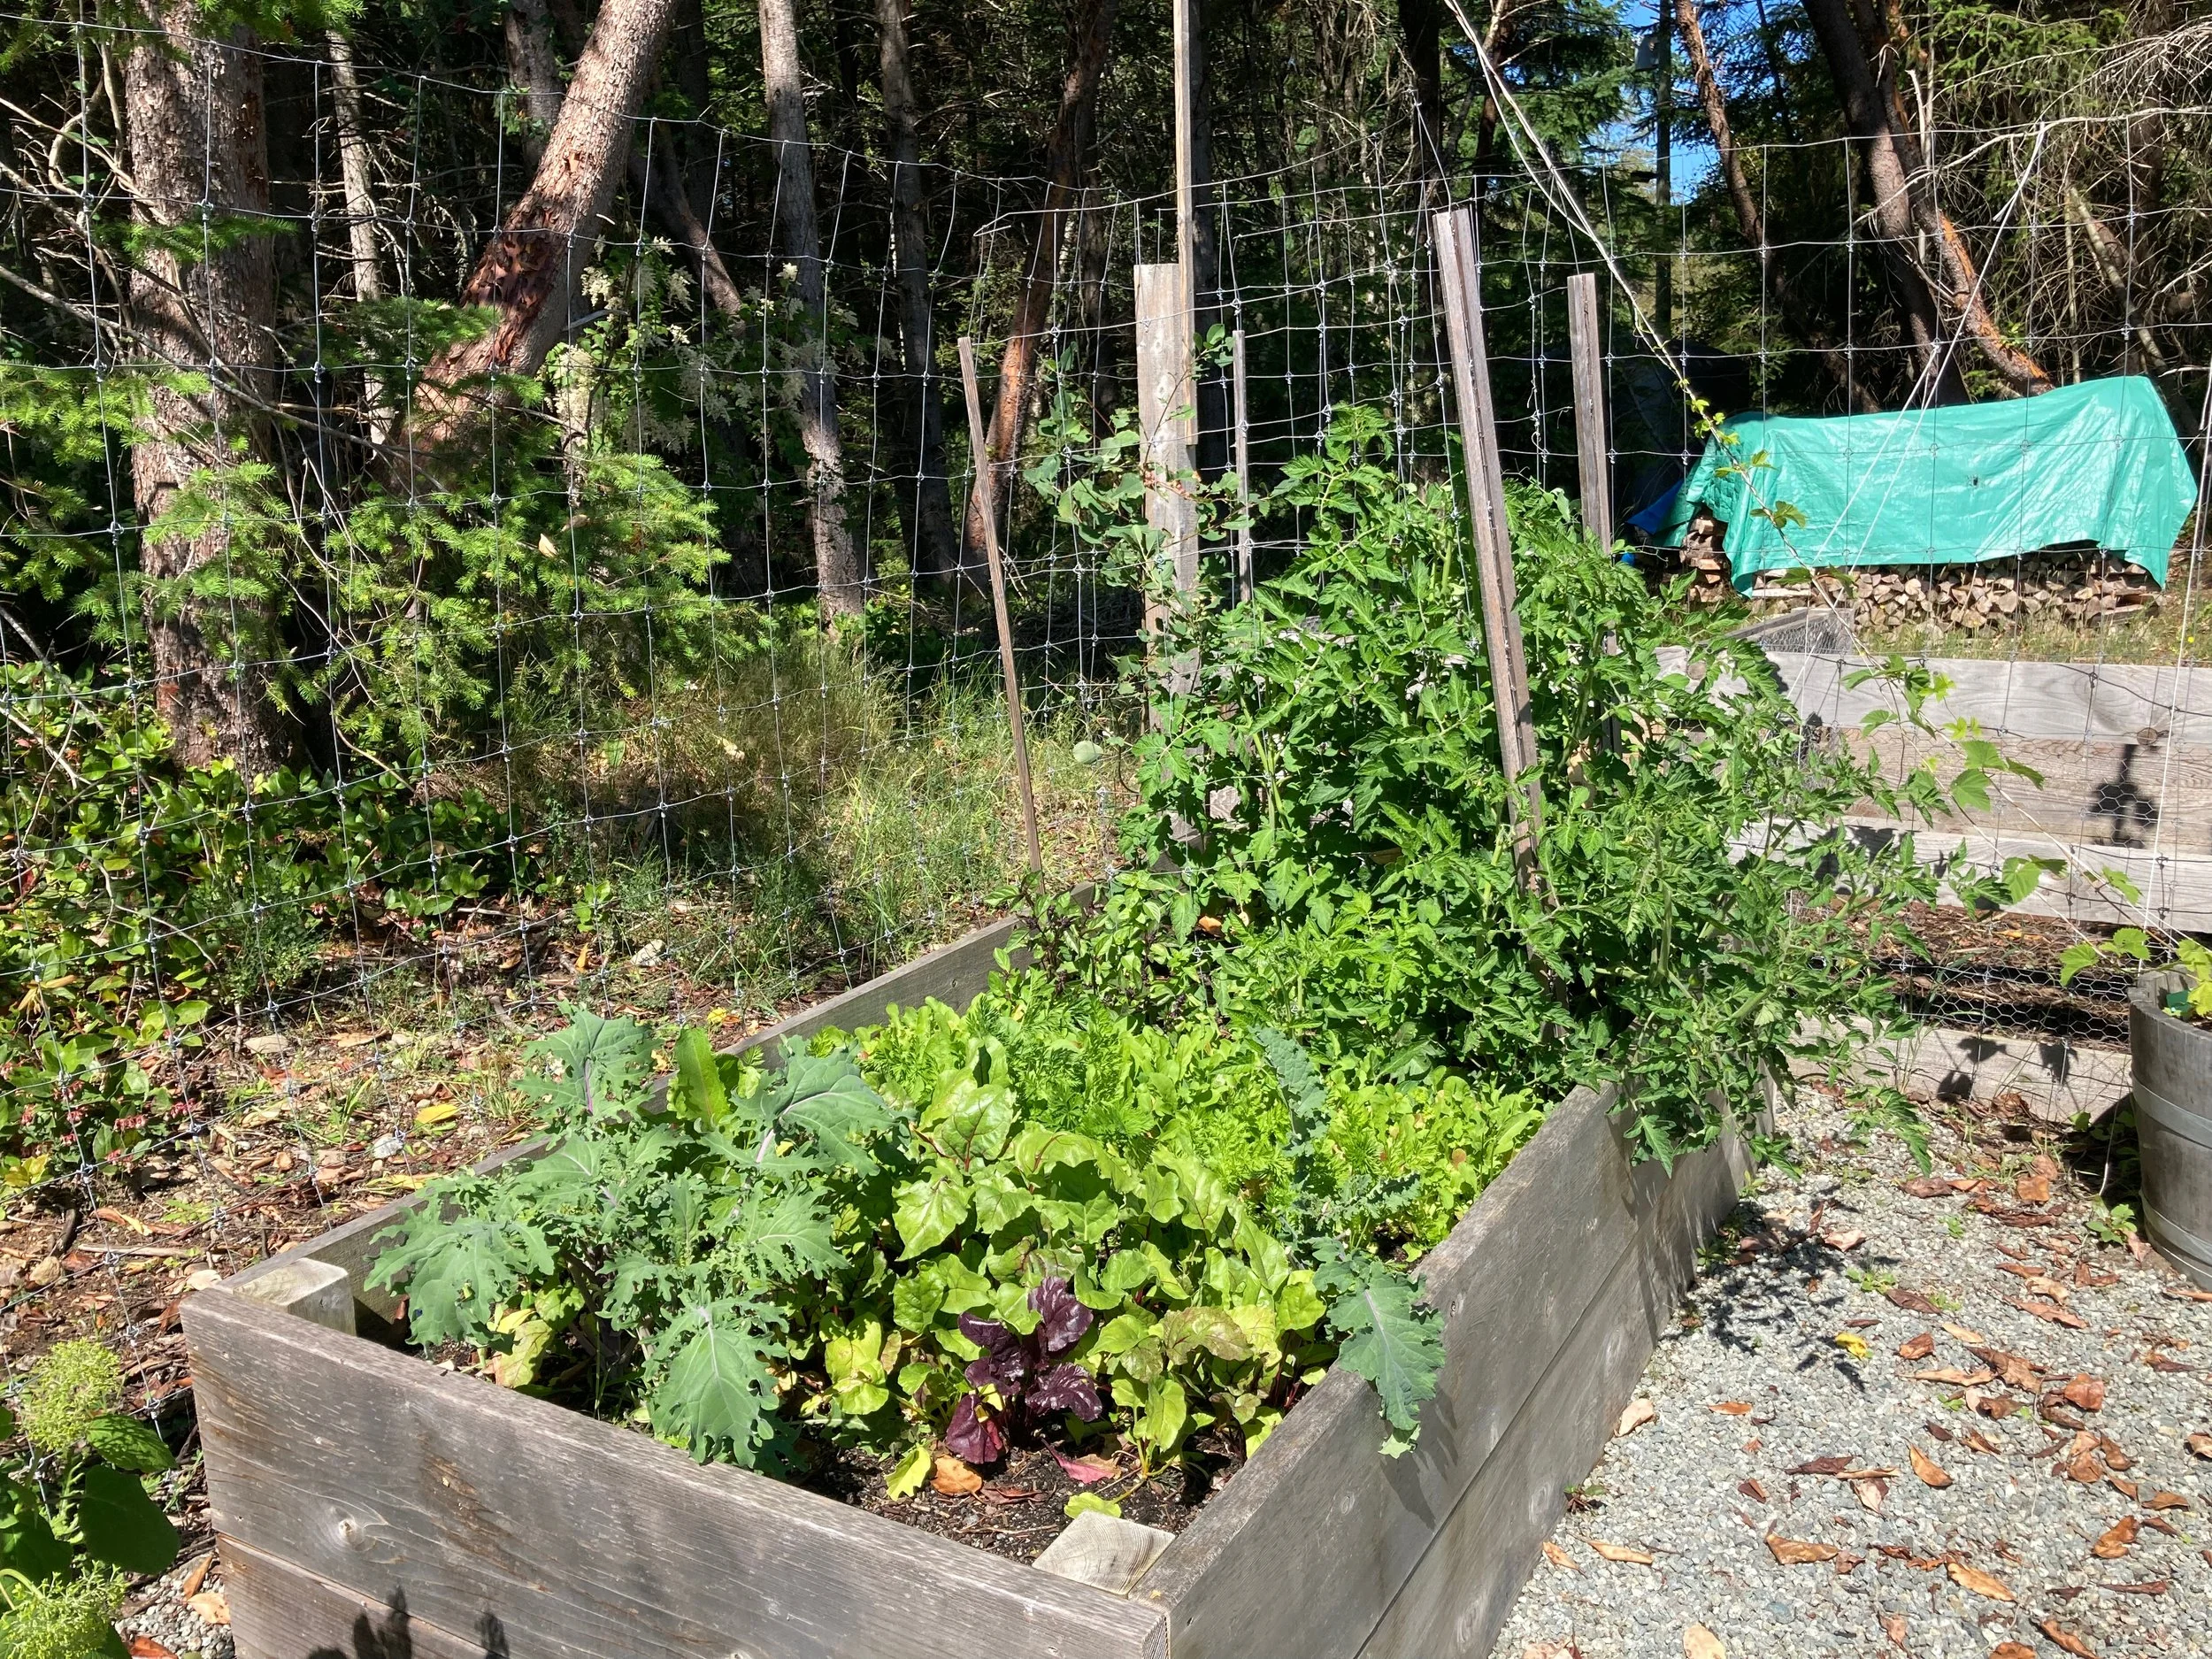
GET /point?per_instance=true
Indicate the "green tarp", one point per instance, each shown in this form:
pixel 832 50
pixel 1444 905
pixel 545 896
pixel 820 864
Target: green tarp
pixel 2096 462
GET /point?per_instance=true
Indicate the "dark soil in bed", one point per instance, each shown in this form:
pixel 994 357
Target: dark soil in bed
pixel 1022 1505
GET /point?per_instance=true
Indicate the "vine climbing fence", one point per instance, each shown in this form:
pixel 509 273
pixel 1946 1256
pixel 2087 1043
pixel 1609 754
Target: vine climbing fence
pixel 560 719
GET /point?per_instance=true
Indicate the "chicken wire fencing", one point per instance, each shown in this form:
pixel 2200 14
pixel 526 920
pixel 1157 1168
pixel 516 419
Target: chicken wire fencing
pixel 557 721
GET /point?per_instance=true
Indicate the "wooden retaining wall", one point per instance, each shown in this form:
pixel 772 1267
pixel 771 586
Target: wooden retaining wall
pixel 369 1502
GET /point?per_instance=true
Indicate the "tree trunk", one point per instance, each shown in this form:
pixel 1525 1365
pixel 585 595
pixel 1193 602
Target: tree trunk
pixel 1091 37
pixel 198 142
pixel 838 576
pixel 360 197
pixel 1420 28
pixel 936 546
pixel 658 180
pixel 529 272
pixel 1797 318
pixel 533 63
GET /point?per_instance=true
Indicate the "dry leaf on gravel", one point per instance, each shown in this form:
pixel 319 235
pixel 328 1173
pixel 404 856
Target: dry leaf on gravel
pixel 1699 1643
pixel 2148 1586
pixel 2066 1638
pixel 1965 1333
pixel 1752 1489
pixel 1910 1300
pixel 209 1605
pixel 1981 1442
pixel 1551 1650
pixel 1930 1472
pixel 1733 1408
pixel 2017 1370
pixel 2114 1457
pixel 147 1648
pixel 2042 1308
pixel 1974 1580
pixel 1832 1464
pixel 1622 1553
pixel 2164 1363
pixel 1843 1240
pixel 2115 1540
pixel 1559 1557
pixel 1928 1186
pixel 1893 1627
pixel 2032 1189
pixel 2012 1650
pixel 2200 1444
pixel 1916 1347
pixel 1852 1343
pixel 1638 1413
pixel 2166 1501
pixel 2085 1392
pixel 955 1479
pixel 1793 1552
pixel 1869 1495
pixel 1957 1378
pixel 194 1577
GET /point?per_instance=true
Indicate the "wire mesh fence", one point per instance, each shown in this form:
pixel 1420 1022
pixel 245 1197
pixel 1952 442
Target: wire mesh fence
pixel 557 718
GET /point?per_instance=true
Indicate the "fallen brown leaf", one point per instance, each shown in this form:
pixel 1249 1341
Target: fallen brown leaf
pixel 1622 1553
pixel 955 1479
pixel 2087 1392
pixel 1999 1404
pixel 1930 1472
pixel 2017 1370
pixel 1928 1186
pixel 194 1577
pixel 2148 1586
pixel 2115 1540
pixel 2012 1650
pixel 2114 1457
pixel 1981 1442
pixel 2066 1638
pixel 2086 1470
pixel 1699 1643
pixel 1551 1650
pixel 1734 1408
pixel 2050 1409
pixel 2121 1484
pixel 1832 1465
pixel 2159 1523
pixel 1850 1240
pixel 2032 1189
pixel 1974 1580
pixel 1893 1627
pixel 209 1605
pixel 2042 1308
pixel 1957 1378
pixel 1559 1557
pixel 2043 1285
pixel 1637 1413
pixel 1965 1333
pixel 1939 1431
pixel 2165 1363
pixel 1916 1347
pixel 1752 1489
pixel 1871 1492
pixel 2021 1269
pixel 2166 1501
pixel 1910 1300
pixel 1793 1552
pixel 147 1648
pixel 2200 1444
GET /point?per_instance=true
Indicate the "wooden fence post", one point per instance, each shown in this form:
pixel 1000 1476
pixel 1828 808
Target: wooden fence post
pixel 1007 671
pixel 1164 392
pixel 1493 550
pixel 1590 434
pixel 1241 457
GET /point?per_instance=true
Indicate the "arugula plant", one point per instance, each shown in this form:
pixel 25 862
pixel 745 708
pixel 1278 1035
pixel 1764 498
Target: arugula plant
pixel 76 1518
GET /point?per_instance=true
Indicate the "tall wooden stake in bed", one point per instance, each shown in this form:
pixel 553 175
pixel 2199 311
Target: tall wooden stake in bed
pixel 998 605
pixel 1588 350
pixel 1494 549
pixel 1240 458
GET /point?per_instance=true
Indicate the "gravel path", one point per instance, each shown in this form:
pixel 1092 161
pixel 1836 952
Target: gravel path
pixel 1844 1324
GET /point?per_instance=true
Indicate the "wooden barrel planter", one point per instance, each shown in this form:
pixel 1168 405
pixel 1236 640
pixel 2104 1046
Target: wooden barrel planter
pixel 2173 1125
pixel 369 1502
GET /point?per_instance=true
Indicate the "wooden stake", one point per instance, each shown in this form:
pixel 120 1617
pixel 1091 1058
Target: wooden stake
pixel 1164 391
pixel 1187 165
pixel 1241 457
pixel 998 604
pixel 1583 339
pixel 1494 552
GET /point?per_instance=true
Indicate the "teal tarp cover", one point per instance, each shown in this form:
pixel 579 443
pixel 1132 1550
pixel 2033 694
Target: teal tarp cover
pixel 2097 463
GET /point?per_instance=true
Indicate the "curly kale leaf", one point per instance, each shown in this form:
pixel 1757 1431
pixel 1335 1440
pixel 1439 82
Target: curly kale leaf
pixel 1384 1335
pixel 459 1268
pixel 595 1068
pixel 717 1394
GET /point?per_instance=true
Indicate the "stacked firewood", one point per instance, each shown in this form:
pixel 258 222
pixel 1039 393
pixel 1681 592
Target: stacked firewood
pixel 2056 587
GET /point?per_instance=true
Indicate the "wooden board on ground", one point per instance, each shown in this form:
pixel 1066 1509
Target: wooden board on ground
pixel 2056 1080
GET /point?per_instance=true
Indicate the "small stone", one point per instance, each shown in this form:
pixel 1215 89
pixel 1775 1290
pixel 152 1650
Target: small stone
pixel 388 1147
pixel 269 1045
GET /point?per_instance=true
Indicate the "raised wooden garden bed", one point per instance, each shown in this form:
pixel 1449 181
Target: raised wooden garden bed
pixel 360 1490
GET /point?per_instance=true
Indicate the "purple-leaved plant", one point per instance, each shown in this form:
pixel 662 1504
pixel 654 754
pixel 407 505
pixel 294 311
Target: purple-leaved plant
pixel 1024 1372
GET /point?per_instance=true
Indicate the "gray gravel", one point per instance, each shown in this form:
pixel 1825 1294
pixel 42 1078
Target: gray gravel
pixel 1701 1489
pixel 158 1615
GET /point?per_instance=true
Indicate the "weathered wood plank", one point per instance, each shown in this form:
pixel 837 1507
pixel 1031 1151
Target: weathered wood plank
pixel 280 1612
pixel 384 1476
pixel 2019 698
pixel 1514 1280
